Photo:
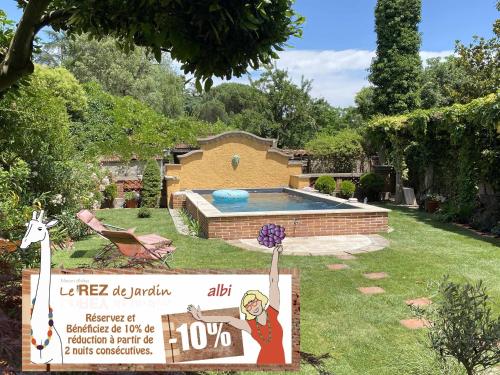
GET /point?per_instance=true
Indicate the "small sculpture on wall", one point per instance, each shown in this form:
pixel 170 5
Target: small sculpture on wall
pixel 235 160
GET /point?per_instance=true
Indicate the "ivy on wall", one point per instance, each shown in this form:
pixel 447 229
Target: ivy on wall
pixel 459 144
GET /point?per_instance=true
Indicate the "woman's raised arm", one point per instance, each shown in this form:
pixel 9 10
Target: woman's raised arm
pixel 274 292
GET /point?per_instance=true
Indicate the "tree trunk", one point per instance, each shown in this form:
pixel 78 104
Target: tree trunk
pixel 428 178
pixel 399 187
pixel 17 62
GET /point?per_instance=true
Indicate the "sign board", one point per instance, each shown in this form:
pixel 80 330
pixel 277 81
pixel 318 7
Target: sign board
pixel 134 320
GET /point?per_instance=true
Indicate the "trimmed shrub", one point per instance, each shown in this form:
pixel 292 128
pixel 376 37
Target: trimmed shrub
pixel 372 185
pixel 151 184
pixel 143 212
pixel 347 189
pixel 325 184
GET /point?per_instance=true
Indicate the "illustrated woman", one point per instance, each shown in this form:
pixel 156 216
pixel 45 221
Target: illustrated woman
pixel 260 321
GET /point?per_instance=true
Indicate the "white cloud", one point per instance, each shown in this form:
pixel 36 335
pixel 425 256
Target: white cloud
pixel 337 75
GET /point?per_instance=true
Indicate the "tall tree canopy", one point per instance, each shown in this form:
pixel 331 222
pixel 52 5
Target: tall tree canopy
pixel 481 61
pixel 134 74
pixel 209 37
pixel 396 68
pixel 290 106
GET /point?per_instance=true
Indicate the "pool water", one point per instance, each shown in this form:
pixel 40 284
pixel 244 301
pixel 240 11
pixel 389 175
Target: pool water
pixel 273 201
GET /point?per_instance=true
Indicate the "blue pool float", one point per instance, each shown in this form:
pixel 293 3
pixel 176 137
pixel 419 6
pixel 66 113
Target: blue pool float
pixel 227 195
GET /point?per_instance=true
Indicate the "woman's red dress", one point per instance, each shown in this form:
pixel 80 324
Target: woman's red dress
pixel 270 352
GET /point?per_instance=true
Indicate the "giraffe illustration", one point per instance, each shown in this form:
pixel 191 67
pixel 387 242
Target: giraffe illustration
pixel 46 344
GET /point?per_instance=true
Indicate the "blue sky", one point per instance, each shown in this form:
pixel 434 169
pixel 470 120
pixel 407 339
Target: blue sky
pixel 339 39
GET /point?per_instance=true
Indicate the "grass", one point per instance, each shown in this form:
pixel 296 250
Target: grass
pixel 362 333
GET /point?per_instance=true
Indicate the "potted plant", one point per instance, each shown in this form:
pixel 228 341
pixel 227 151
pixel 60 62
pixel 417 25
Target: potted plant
pixel 110 193
pixel 131 198
pixel 433 202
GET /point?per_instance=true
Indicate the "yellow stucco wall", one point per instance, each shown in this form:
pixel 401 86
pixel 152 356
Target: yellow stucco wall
pixel 298 182
pixel 260 166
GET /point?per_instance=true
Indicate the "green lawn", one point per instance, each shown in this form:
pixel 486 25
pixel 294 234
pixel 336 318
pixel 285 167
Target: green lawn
pixel 362 333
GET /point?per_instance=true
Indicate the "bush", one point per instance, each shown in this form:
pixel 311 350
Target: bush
pixel 143 213
pixel 462 326
pixel 151 184
pixel 325 184
pixel 371 185
pixel 71 225
pixel 347 189
pixel 110 192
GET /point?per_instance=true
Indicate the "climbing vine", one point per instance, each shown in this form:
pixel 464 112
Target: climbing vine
pixel 458 146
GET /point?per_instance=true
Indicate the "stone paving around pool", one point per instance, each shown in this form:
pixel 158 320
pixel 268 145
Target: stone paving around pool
pixel 341 246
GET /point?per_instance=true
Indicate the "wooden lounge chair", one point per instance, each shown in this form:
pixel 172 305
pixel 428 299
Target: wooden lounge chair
pixel 96 226
pixel 89 219
pixel 107 256
pixel 143 249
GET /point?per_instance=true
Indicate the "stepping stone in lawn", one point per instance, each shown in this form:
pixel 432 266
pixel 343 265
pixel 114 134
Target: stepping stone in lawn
pixel 415 323
pixel 371 290
pixel 338 266
pixel 375 275
pixel 419 302
pixel 345 256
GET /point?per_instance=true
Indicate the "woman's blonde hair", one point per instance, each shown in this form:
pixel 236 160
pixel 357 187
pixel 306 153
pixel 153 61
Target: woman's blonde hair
pixel 250 295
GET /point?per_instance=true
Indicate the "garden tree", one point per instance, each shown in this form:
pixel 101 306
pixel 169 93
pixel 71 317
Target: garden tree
pixel 349 118
pixel 120 126
pixel 211 111
pixel 151 184
pixel 209 38
pixel 6 32
pixel 480 60
pixel 187 129
pixel 241 106
pixel 364 100
pixel 290 106
pixel 121 74
pixel 64 86
pixel 326 116
pixel 255 122
pixel 396 68
pixel 35 128
pixel 336 153
pixel 238 97
pixel 442 83
pixel 123 126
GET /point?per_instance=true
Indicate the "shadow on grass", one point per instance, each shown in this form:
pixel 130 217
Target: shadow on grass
pixel 83 254
pixel 430 219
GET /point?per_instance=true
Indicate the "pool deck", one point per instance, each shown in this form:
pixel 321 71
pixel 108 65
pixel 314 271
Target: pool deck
pixel 340 245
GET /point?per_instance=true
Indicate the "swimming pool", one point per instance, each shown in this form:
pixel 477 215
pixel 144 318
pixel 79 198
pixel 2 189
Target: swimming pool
pixel 274 200
pixel 302 213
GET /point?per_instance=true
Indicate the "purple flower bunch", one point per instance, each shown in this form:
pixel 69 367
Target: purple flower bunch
pixel 271 235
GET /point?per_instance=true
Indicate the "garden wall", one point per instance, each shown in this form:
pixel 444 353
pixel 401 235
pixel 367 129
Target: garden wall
pixel 261 165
